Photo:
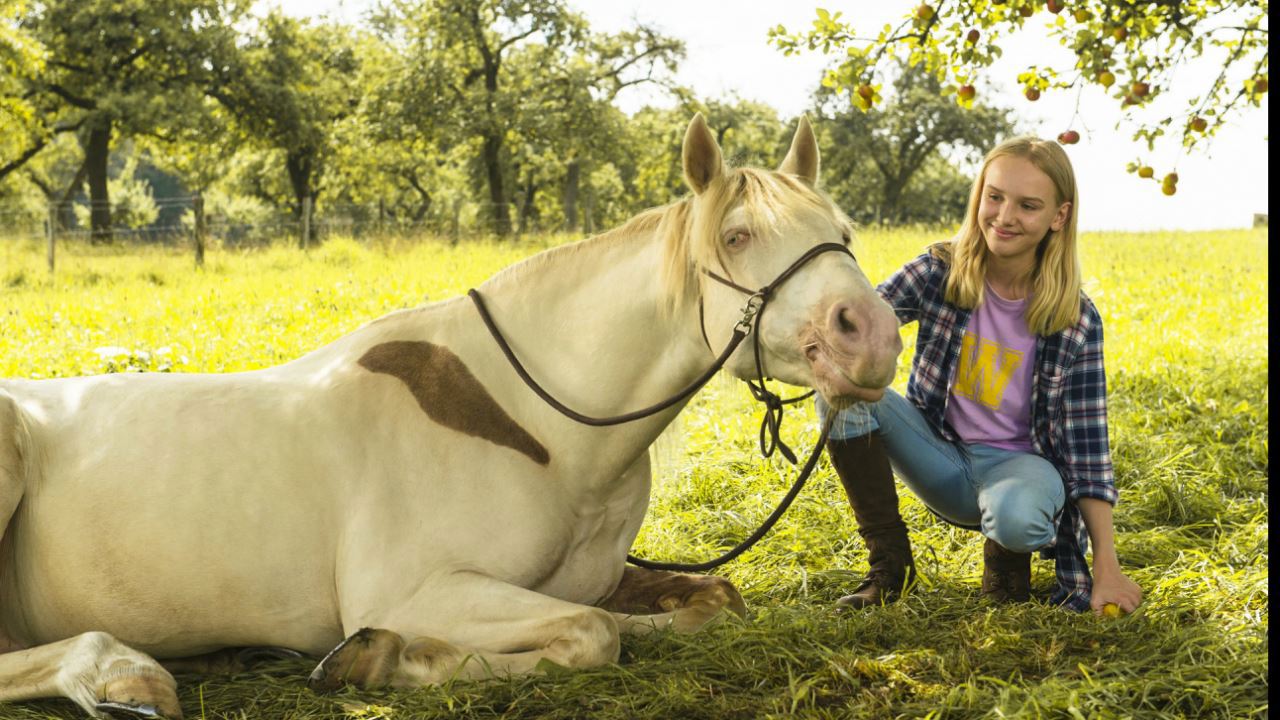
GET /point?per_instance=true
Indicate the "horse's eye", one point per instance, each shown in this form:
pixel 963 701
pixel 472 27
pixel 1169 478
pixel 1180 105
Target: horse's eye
pixel 736 239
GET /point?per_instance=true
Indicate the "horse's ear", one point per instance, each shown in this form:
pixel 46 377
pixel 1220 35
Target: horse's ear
pixel 702 161
pixel 802 159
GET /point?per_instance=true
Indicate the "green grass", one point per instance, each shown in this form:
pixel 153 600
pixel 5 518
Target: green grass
pixel 1186 323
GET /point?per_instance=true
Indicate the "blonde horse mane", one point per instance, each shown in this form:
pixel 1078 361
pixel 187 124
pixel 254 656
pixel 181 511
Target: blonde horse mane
pixel 689 228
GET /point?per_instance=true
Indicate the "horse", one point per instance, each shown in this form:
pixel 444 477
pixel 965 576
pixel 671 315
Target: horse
pixel 397 502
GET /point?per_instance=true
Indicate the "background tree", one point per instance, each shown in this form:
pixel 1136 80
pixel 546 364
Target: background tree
pixel 287 88
pixel 461 52
pixel 874 158
pixel 120 67
pixel 21 57
pixel 1133 50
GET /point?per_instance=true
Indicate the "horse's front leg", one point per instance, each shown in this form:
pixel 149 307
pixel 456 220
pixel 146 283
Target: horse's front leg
pixel 469 626
pixel 648 600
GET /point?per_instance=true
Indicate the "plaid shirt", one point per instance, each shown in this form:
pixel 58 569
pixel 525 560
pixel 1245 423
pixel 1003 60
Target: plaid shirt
pixel 1068 404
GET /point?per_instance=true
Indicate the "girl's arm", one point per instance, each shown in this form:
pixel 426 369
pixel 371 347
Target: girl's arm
pixel 905 289
pixel 1110 584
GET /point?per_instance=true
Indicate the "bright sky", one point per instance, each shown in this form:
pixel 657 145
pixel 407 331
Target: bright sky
pixel 728 52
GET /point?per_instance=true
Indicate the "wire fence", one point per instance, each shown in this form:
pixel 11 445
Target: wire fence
pixel 235 223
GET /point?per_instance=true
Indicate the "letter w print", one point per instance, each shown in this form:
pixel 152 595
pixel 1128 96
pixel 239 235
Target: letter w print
pixel 985 369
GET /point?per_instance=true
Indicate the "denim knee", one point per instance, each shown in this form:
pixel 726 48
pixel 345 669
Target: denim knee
pixel 852 422
pixel 1020 524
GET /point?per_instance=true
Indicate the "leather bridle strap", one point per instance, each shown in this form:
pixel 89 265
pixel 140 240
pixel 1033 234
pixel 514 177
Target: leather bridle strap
pixel 739 334
pixel 771 423
pixel 751 312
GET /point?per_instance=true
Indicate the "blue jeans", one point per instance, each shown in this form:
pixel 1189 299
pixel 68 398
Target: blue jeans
pixel 1011 497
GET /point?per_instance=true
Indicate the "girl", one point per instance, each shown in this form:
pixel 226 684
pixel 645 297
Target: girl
pixel 1004 426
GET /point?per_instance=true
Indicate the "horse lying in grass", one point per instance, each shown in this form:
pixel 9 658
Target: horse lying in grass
pixel 397 501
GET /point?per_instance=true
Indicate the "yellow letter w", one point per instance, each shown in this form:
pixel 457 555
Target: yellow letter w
pixel 981 377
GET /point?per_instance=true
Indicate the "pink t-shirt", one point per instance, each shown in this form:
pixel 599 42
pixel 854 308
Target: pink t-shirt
pixel 990 398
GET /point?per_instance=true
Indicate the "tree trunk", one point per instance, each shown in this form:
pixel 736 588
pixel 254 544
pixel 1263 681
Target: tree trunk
pixel 527 210
pixel 497 190
pixel 571 181
pixel 96 154
pixel 589 211
pixel 299 166
pixel 66 215
pixel 892 195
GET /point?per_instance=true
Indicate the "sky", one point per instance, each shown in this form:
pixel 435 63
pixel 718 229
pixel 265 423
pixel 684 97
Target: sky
pixel 727 53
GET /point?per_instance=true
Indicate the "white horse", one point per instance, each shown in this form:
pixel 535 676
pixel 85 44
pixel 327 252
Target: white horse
pixel 400 487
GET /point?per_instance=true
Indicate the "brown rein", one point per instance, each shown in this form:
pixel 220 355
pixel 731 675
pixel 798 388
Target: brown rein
pixel 770 426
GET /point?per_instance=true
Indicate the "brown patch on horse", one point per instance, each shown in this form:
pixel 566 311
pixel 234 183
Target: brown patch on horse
pixel 449 394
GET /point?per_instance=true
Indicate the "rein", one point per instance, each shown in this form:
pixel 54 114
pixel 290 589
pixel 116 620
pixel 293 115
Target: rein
pixel 770 440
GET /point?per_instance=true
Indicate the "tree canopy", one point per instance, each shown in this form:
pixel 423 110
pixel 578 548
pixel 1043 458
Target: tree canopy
pixel 1134 50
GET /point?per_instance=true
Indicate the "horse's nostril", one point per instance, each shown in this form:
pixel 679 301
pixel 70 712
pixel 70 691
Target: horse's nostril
pixel 845 323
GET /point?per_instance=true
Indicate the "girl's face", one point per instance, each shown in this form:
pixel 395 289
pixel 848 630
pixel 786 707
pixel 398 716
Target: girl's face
pixel 1018 209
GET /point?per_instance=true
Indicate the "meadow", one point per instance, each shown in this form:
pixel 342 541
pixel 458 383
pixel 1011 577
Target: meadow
pixel 1187 367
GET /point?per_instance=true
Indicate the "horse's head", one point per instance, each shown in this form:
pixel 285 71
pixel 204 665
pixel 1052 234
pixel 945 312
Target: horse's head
pixel 824 327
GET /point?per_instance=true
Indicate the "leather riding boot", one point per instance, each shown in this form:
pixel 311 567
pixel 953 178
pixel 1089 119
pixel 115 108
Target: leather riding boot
pixel 1006 575
pixel 863 467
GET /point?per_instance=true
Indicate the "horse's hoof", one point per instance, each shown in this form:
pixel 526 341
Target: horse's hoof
pixel 144 695
pixel 366 659
pixel 123 711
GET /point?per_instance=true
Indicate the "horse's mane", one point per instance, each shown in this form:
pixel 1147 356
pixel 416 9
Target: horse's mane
pixel 689 228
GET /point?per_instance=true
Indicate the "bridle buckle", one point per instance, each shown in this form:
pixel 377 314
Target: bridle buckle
pixel 749 312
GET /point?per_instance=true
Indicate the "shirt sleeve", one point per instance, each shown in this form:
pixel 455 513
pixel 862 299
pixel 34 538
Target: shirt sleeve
pixel 1087 450
pixel 904 290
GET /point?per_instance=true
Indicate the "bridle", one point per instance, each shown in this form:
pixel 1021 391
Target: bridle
pixel 752 312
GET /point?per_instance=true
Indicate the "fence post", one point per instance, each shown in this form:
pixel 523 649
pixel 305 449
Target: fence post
pixel 306 222
pixel 197 208
pixel 382 216
pixel 457 211
pixel 50 223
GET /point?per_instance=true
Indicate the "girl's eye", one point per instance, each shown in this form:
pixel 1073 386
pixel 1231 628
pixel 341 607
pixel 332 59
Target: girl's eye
pixel 993 196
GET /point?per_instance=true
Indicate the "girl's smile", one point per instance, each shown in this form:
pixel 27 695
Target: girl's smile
pixel 1018 209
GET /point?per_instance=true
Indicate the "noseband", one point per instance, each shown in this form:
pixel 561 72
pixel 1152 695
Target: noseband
pixel 752 312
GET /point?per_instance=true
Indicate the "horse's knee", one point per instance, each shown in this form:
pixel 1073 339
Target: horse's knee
pixel 716 593
pixel 586 639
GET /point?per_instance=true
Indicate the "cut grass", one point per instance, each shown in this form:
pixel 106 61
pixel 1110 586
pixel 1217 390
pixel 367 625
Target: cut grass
pixel 1186 321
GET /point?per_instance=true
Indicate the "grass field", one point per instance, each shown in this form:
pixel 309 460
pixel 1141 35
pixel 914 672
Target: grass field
pixel 1186 341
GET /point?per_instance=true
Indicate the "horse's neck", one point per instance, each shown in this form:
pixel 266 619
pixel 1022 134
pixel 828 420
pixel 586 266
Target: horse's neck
pixel 588 323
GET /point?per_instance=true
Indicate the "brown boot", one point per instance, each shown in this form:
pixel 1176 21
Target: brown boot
pixel 864 471
pixel 1006 575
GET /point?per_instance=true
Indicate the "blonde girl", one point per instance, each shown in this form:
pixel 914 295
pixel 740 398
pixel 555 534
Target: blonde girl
pixel 1003 428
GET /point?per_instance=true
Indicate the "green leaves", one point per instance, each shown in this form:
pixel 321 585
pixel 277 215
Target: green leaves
pixel 1147 43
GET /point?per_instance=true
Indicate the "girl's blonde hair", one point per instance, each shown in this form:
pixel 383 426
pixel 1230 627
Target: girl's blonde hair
pixel 1055 282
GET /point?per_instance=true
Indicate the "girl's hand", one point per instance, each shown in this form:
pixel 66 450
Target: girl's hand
pixel 1114 587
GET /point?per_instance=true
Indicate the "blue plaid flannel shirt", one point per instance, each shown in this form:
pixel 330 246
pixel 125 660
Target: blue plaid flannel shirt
pixel 1068 404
